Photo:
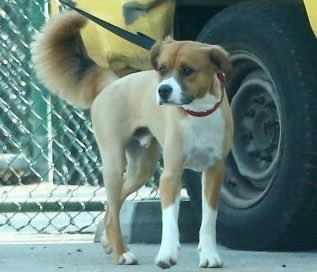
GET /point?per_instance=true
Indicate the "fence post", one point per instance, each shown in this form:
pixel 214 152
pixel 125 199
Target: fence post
pixel 40 154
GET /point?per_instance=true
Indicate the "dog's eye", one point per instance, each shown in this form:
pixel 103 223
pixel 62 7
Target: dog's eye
pixel 162 70
pixel 187 71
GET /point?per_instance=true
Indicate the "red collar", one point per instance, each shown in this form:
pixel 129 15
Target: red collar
pixel 222 79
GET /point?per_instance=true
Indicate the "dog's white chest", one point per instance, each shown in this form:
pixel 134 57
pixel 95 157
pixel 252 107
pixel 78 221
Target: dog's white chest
pixel 203 139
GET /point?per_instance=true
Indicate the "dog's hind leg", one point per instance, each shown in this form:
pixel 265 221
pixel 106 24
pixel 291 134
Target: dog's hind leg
pixel 104 240
pixel 113 159
pixel 141 163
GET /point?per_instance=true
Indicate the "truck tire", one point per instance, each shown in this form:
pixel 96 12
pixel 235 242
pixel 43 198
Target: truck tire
pixel 269 197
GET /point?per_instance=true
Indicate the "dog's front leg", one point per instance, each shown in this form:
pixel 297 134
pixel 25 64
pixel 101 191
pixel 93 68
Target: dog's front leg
pixel 211 184
pixel 170 186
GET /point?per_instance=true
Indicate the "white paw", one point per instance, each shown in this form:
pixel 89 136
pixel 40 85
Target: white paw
pixel 167 256
pixel 209 258
pixel 127 258
pixel 105 243
pixel 211 261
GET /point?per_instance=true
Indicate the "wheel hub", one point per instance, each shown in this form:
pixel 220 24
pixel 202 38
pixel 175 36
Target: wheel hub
pixel 257 132
pixel 254 147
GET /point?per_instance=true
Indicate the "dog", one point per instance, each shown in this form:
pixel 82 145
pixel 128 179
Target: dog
pixel 179 106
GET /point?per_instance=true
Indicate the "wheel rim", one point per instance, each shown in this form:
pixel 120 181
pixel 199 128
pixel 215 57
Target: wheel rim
pixel 257 137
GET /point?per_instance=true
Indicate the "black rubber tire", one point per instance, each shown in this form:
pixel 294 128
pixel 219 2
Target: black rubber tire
pixel 279 34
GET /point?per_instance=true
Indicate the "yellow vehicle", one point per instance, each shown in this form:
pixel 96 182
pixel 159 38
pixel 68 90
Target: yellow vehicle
pixel 269 199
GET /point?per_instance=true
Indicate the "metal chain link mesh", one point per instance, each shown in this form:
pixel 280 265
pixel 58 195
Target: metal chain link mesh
pixel 50 171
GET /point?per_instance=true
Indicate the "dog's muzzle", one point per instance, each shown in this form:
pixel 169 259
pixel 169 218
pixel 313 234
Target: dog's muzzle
pixel 171 92
pixel 164 92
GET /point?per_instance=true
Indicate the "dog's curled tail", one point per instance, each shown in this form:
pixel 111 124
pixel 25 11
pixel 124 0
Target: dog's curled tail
pixel 62 64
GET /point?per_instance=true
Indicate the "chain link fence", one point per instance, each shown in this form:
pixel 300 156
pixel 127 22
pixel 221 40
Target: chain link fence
pixel 50 171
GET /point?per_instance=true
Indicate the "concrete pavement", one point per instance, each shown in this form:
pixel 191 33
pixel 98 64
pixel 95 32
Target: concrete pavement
pixel 81 255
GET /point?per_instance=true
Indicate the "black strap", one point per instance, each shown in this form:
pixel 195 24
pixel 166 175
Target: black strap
pixel 138 38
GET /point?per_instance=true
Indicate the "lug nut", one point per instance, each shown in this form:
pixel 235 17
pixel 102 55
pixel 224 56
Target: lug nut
pixel 250 113
pixel 266 158
pixel 247 135
pixel 255 154
pixel 270 105
pixel 260 100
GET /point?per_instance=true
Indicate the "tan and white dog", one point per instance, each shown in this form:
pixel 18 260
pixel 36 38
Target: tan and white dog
pixel 180 106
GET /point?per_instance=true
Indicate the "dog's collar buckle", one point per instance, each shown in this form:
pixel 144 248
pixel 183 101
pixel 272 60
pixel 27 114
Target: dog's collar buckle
pixel 222 79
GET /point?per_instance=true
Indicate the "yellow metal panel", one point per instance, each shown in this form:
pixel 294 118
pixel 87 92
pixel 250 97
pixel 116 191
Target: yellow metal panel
pixel 152 17
pixel 311 8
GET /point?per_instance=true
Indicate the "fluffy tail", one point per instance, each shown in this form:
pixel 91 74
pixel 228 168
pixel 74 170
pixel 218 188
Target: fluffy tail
pixel 62 64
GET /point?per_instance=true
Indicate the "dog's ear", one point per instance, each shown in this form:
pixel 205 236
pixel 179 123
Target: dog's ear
pixel 154 54
pixel 220 58
pixel 169 39
pixel 156 50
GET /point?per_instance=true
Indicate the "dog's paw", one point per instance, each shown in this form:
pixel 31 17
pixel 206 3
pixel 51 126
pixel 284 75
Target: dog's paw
pixel 209 259
pixel 127 258
pixel 208 254
pixel 167 256
pixel 105 244
pixel 210 262
pixel 164 264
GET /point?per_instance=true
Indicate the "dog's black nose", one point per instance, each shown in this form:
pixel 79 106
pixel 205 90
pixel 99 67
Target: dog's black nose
pixel 164 92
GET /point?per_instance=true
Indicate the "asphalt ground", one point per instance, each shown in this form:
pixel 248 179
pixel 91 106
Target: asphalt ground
pixel 79 253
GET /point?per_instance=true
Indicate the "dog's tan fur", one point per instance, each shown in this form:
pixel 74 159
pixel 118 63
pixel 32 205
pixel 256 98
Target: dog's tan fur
pixel 120 107
pixel 59 51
